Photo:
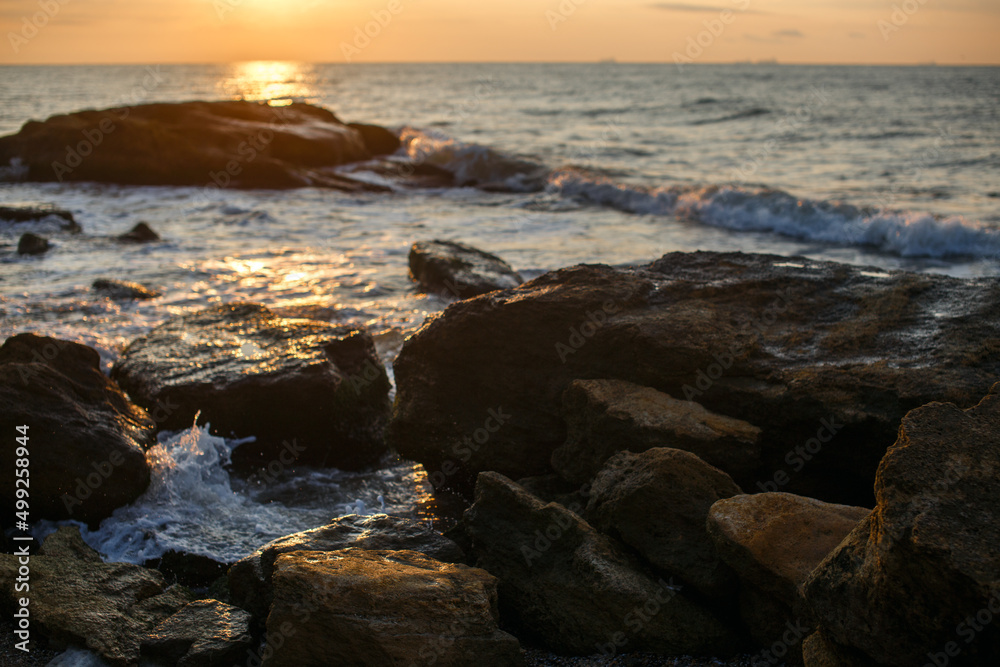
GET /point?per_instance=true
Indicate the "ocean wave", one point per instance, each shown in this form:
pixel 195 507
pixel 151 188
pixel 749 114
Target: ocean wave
pixel 740 115
pixel 761 209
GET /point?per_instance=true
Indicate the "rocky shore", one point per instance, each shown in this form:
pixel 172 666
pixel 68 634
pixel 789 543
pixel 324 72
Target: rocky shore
pixel 712 459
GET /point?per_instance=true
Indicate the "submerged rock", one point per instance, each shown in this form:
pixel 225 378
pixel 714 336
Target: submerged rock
pixel 824 358
pixel 105 607
pixel 378 608
pixel 607 416
pixel 141 233
pixel 211 144
pixel 32 244
pixel 86 440
pixel 308 391
pixel 575 590
pixel 39 219
pixel 459 270
pixel 657 503
pixel 250 578
pixel 205 633
pixel 123 289
pixel 921 575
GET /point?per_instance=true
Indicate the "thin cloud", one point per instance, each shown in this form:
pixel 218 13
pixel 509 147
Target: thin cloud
pixel 788 33
pixel 685 7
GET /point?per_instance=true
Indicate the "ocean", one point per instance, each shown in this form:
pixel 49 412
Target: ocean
pixel 892 167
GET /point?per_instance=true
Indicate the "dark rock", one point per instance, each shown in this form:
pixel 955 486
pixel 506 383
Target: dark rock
pixel 657 503
pixel 787 345
pixel 921 575
pixel 572 589
pixel 606 416
pixel 68 543
pixel 86 440
pixel 210 144
pixel 250 578
pixel 819 651
pixel 377 139
pixel 38 218
pixel 375 608
pixel 459 270
pixel 192 570
pixel 141 233
pixel 32 244
pixel 123 289
pixel 105 607
pixel 205 633
pixel 309 391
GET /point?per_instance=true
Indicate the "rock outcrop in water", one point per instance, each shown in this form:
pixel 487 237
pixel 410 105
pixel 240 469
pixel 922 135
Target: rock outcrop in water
pixel 39 219
pixel 141 233
pixel 32 244
pixel 308 391
pixel 210 144
pixel 824 358
pixel 123 289
pixel 86 441
pixel 459 270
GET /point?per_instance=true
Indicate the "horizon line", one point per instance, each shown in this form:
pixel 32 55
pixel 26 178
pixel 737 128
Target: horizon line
pixel 611 61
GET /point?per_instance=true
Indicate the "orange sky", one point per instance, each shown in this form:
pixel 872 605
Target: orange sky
pixel 791 31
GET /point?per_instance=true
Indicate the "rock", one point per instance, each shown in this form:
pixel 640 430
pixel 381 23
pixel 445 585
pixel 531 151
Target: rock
pixel 123 289
pixel 382 607
pixel 68 543
pixel 40 219
pixel 209 144
pixel 921 575
pixel 459 270
pixel 141 233
pixel 819 651
pixel 788 345
pixel 205 633
pixel 187 569
pixel 250 578
pixel 106 607
pixel 377 139
pixel 32 244
pixel 86 440
pixel 657 503
pixel 310 392
pixel 606 416
pixel 575 590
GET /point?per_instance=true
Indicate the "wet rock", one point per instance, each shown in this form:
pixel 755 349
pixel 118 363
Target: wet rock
pixel 819 651
pixel 382 607
pixel 187 569
pixel 141 233
pixel 68 543
pixel 250 578
pixel 572 589
pixel 32 244
pixel 123 289
pixel 310 392
pixel 824 358
pixel 921 575
pixel 40 219
pixel 657 503
pixel 105 607
pixel 208 144
pixel 86 440
pixel 205 633
pixel 606 416
pixel 459 270
pixel 377 139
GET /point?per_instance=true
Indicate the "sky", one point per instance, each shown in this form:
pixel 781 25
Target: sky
pixel 704 31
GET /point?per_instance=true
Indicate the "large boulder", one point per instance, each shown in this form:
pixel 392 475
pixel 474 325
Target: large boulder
pixel 250 578
pixel 657 502
pixel 209 144
pixel 607 416
pixel 920 577
pixel 785 344
pixel 76 599
pixel 575 590
pixel 459 270
pixel 383 609
pixel 32 244
pixel 300 385
pixel 204 633
pixel 84 440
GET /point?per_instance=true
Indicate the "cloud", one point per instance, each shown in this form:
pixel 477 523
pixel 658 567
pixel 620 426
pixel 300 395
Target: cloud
pixel 685 7
pixel 857 35
pixel 787 33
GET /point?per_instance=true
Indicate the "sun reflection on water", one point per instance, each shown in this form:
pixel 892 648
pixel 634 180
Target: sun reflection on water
pixel 278 82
